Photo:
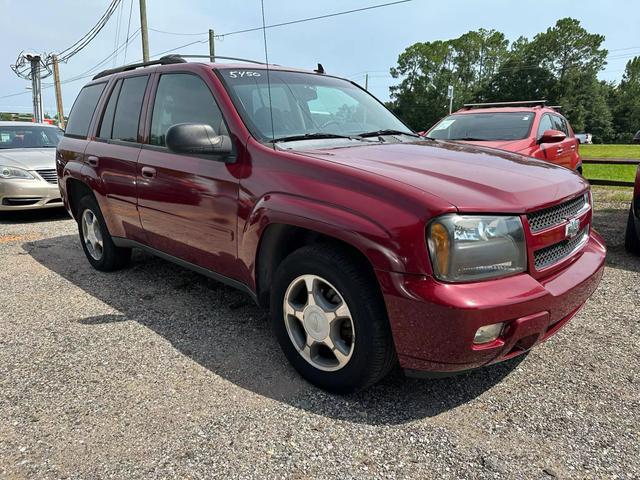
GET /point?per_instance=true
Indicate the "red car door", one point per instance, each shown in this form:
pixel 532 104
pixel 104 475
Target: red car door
pixel 113 155
pixel 188 204
pixel 566 150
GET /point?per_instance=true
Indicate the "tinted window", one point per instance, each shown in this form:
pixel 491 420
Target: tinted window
pixel 127 114
pixel 83 108
pixel 484 126
pixel 183 98
pixel 29 136
pixel 545 124
pixel 560 124
pixel 106 125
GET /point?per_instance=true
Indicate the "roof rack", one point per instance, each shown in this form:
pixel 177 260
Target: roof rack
pixel 469 106
pixel 166 60
pixel 223 58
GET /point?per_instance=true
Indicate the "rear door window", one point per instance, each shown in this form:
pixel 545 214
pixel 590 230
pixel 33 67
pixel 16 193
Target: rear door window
pixel 127 111
pixel 560 123
pixel 82 110
pixel 183 98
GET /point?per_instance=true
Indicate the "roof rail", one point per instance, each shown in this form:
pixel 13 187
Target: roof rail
pixel 221 57
pixel 166 60
pixel 469 106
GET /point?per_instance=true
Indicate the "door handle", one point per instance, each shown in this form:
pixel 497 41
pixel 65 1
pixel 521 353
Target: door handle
pixel 560 150
pixel 92 160
pixel 573 147
pixel 148 172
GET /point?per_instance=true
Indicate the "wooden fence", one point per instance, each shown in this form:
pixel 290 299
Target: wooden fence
pixel 611 161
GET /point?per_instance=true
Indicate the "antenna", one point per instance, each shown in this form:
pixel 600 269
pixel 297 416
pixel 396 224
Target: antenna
pixel 266 59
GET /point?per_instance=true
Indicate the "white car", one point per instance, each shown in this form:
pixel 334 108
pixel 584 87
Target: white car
pixel 28 177
pixel 584 138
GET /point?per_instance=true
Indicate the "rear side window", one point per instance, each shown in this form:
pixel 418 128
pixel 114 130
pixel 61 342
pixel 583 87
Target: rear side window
pixel 183 98
pixel 560 123
pixel 127 111
pixel 106 126
pixel 82 110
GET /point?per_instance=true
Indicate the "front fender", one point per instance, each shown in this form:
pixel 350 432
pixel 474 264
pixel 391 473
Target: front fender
pixel 363 233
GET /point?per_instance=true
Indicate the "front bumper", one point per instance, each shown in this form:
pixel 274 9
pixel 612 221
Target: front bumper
pixel 23 194
pixel 434 323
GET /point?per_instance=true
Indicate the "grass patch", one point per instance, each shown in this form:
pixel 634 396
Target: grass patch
pixel 610 151
pixel 611 194
pixel 625 173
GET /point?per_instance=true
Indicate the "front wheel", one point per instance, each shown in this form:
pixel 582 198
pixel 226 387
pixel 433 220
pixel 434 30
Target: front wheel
pixel 330 320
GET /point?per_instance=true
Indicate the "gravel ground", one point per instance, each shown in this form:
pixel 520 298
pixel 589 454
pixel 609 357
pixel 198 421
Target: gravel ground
pixel 158 372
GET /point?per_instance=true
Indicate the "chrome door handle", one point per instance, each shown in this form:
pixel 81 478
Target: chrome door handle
pixel 148 172
pixel 92 160
pixel 560 150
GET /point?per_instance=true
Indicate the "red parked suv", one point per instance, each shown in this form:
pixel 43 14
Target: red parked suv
pixel 369 244
pixel 528 128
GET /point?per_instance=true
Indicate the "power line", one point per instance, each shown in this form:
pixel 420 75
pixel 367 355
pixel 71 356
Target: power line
pixel 69 52
pixel 291 22
pixel 128 28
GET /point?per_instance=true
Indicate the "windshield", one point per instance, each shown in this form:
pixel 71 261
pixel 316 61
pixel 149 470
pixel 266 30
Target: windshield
pixel 29 136
pixel 483 126
pixel 306 105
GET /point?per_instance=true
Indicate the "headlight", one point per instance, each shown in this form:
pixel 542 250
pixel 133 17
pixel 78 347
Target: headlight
pixel 465 248
pixel 14 172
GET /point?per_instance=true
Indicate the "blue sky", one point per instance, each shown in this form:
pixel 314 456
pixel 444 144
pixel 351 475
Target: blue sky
pixel 349 45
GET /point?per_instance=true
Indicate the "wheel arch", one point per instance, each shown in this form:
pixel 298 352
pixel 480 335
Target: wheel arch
pixel 276 229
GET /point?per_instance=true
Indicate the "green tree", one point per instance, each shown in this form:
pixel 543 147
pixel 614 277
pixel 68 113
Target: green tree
pixel 627 101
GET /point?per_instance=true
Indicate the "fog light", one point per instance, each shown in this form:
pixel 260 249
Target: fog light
pixel 488 333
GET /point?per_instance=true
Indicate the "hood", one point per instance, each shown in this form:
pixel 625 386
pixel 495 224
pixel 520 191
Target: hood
pixel 471 178
pixel 29 158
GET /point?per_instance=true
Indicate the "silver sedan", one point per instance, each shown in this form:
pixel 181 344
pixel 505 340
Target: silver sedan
pixel 28 177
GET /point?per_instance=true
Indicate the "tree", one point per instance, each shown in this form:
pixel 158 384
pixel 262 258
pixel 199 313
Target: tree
pixel 627 100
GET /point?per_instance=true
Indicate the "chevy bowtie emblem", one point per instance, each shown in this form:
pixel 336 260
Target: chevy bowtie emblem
pixel 572 228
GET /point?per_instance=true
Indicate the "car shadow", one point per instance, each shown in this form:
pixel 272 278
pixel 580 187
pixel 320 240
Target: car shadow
pixel 224 331
pixel 34 216
pixel 611 223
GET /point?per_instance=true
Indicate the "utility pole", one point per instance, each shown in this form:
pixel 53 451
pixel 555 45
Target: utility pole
pixel 56 83
pixel 366 81
pixel 450 97
pixel 34 60
pixel 143 29
pixel 212 46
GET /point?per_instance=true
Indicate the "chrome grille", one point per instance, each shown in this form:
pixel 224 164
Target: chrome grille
pixel 49 175
pixel 556 215
pixel 552 254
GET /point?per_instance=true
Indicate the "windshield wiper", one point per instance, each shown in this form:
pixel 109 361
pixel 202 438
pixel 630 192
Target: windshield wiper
pixel 470 139
pixel 311 136
pixel 377 133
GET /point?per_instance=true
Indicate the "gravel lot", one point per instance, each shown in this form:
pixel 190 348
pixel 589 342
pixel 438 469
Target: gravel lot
pixel 158 372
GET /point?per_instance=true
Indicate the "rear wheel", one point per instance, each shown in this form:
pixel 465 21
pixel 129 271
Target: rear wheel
pixel 631 241
pixel 330 320
pixel 96 241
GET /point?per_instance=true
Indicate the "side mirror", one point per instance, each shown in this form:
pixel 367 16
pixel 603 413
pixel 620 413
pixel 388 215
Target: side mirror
pixel 552 136
pixel 197 138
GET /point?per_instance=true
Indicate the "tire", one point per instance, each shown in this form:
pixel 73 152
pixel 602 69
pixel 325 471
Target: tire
pixel 108 258
pixel 372 355
pixel 631 240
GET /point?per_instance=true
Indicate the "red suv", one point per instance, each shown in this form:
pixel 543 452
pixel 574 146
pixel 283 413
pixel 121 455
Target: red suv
pixel 528 128
pixel 369 244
